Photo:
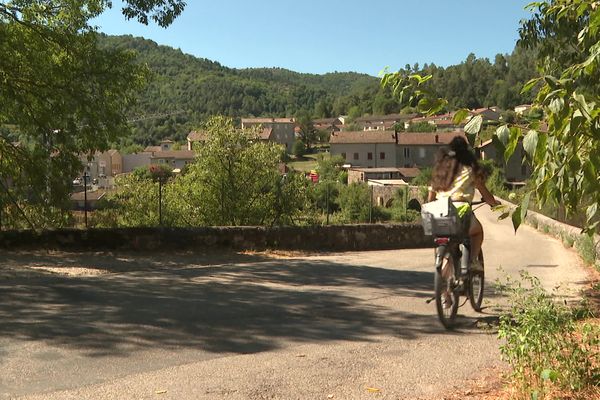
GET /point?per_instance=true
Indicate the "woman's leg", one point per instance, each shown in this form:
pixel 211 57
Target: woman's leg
pixel 476 234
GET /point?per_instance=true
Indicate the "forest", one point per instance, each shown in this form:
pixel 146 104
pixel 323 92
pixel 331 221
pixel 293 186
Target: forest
pixel 182 91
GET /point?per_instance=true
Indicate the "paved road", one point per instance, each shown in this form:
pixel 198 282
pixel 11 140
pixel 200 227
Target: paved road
pixel 102 326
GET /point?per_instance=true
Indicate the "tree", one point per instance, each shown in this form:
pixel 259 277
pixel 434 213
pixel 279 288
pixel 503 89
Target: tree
pixel 61 93
pixel 236 181
pixel 565 156
pixel 308 133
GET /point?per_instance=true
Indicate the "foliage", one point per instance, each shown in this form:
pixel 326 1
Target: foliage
pixel 566 156
pixel 134 203
pixel 62 95
pixel 308 133
pixel 299 148
pixel 586 247
pixel 544 345
pixel 329 168
pixel 186 90
pixel 154 172
pixel 355 203
pixel 423 179
pixel 422 127
pixel 236 181
pixel 564 35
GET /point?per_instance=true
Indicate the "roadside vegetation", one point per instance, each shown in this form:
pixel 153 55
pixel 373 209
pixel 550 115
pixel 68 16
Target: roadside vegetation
pixel 553 347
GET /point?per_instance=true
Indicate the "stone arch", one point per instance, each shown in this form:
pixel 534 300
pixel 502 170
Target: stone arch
pixel 414 204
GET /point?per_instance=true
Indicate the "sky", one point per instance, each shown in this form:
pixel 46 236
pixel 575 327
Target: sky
pixel 323 36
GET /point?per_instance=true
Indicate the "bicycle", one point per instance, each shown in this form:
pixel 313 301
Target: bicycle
pixel 452 242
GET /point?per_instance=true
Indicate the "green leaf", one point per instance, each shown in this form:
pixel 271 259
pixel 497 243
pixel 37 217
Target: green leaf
pixel 516 218
pixel 513 141
pixel 460 116
pixel 549 375
pixel 525 206
pixel 530 142
pixel 503 133
pixel 529 85
pixel 474 125
pixel 591 212
pixel 556 105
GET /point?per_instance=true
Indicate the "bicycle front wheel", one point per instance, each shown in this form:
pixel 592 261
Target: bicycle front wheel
pixel 446 295
pixel 476 286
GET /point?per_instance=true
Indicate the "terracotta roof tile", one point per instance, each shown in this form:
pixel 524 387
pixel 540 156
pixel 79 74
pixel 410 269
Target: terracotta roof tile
pixel 404 138
pixel 177 154
pixel 363 137
pixel 197 136
pixel 267 120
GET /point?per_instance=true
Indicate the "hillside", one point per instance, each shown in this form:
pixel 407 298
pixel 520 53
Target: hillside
pixel 196 88
pixel 191 88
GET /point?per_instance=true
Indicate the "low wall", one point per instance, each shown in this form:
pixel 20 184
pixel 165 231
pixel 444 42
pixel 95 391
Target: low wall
pixel 319 238
pixel 553 227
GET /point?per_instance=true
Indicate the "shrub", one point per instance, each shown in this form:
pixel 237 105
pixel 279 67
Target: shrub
pixel 545 346
pixel 586 248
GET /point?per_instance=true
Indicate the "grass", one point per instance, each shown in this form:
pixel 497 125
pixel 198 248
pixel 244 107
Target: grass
pixel 306 163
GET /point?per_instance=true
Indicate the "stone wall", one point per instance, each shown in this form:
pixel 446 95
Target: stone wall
pixel 383 194
pixel 317 238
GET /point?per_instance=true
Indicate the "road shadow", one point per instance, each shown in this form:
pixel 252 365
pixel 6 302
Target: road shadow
pixel 226 308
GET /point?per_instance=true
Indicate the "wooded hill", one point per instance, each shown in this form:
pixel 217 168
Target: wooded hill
pixel 191 89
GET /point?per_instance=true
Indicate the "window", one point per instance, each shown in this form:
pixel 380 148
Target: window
pixel 382 156
pixel 344 156
pixel 369 156
pixel 356 156
pixel 407 152
pixel 421 152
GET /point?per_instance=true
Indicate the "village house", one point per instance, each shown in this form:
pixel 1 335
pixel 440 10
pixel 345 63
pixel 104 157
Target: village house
pixel 195 137
pixel 488 114
pixel 522 109
pixel 516 170
pixel 278 130
pixel 381 176
pixel 162 154
pixel 328 124
pixel 442 122
pixel 385 149
pixel 102 167
pixel 382 122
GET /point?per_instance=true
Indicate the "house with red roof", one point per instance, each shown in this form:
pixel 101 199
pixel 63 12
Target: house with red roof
pixel 387 149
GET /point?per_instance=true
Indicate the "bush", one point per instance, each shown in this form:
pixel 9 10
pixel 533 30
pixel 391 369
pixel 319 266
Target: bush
pixel 545 346
pixel 298 149
pixel 586 248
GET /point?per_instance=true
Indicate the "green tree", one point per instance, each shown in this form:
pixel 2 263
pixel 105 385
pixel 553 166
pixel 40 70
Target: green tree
pixel 308 133
pixel 236 181
pixel 355 203
pixel 566 155
pixel 63 95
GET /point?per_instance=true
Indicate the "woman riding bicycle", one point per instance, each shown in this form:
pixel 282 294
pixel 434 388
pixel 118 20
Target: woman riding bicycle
pixel 456 174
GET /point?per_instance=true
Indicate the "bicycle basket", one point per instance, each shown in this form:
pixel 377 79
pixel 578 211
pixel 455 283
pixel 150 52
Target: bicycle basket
pixel 440 218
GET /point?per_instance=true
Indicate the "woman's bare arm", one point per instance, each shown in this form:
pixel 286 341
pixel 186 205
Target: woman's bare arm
pixel 485 193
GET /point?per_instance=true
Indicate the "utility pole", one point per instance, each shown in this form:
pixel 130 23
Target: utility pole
pixel 85 178
pixel 327 202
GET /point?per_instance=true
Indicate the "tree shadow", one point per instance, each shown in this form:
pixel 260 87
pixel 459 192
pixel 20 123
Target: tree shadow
pixel 227 308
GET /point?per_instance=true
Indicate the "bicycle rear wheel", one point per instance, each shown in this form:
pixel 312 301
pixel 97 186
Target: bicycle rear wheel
pixel 476 286
pixel 446 295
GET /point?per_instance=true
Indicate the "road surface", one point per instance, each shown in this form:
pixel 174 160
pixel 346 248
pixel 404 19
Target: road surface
pixel 252 326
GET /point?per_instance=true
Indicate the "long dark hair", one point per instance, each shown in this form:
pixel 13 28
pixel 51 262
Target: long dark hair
pixel 449 162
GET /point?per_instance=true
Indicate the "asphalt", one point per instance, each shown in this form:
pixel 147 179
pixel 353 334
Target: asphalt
pixel 254 326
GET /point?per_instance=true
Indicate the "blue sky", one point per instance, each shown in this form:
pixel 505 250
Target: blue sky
pixel 334 35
